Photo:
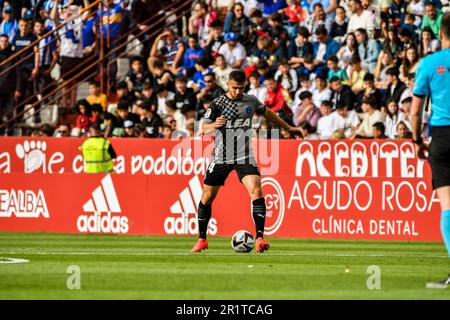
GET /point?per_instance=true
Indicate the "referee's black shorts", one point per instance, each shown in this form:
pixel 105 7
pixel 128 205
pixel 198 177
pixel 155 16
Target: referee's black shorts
pixel 217 173
pixel 439 156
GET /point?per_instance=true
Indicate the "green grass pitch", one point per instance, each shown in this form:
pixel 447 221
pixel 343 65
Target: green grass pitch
pixel 151 267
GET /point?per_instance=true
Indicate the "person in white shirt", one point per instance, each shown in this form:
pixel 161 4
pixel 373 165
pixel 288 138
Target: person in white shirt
pixel 325 125
pixel 369 118
pixel 163 95
pixel 361 18
pixel 305 85
pixel 234 52
pixel 346 120
pixel 287 76
pixel 393 118
pixel 256 88
pixel 222 71
pixel 321 93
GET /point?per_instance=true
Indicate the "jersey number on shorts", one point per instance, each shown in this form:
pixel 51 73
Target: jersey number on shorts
pixel 211 167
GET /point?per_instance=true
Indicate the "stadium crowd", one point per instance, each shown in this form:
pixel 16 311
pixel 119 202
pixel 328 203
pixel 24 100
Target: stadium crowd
pixel 335 69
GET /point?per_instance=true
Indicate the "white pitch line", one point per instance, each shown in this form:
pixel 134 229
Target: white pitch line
pixel 4 260
pixel 115 253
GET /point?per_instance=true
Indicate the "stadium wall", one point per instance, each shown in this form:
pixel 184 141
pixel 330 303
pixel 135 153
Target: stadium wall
pixel 314 189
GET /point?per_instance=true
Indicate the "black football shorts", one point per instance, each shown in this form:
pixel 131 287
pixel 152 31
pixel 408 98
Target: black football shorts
pixel 439 156
pixel 217 173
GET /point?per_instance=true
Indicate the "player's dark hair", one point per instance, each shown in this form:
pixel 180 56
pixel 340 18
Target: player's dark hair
pixel 237 76
pixel 445 25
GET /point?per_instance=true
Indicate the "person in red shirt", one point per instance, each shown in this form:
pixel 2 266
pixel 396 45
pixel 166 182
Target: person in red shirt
pixel 85 119
pixel 294 12
pixel 277 97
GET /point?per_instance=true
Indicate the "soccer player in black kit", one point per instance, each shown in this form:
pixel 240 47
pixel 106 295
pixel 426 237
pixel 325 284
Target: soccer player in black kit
pixel 230 116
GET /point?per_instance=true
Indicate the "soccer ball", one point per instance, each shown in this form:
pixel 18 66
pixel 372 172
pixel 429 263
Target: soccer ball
pixel 242 241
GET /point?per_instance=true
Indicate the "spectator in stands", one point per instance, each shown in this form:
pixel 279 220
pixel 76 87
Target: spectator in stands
pixel 409 64
pixel 370 116
pixel 278 36
pixel 326 123
pixel 341 94
pixel 111 29
pixel 345 120
pixel 403 131
pixel 361 19
pixel 272 6
pixel 129 128
pixel 200 22
pixel 149 118
pixel 428 44
pixel 168 48
pixel 347 50
pixel 222 71
pixel 340 24
pixel 214 42
pixel 233 51
pixel 432 18
pixel 356 78
pixel 137 75
pixel 308 131
pixel 161 74
pixel 191 55
pixel 385 61
pixel 63 131
pixel 48 58
pixel 370 90
pixel 238 23
pixel 315 20
pixel 202 68
pixel 287 77
pixel 294 12
pixel 395 87
pixel 397 12
pixel 324 47
pixel 176 113
pixel 8 25
pixel 277 98
pixel 393 117
pixel 321 92
pixel 306 111
pixel 334 70
pixel 204 105
pixel 124 115
pixel 28 69
pixel 211 87
pixel 368 50
pixel 71 51
pixel 8 81
pixel 96 96
pixel 299 48
pixel 163 95
pixel 123 93
pixel 106 120
pixel 256 88
pixel 85 118
pixel 183 94
pixel 378 130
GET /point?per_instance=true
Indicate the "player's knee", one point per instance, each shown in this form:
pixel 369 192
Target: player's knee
pixel 207 198
pixel 256 193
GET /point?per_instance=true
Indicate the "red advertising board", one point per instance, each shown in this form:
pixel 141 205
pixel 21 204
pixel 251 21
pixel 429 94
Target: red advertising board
pixel 313 189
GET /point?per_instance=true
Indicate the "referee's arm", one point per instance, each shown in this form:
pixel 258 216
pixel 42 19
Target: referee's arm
pixel 416 117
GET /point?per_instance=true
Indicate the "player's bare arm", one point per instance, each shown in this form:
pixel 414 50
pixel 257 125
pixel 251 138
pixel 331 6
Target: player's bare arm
pixel 207 128
pixel 273 117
